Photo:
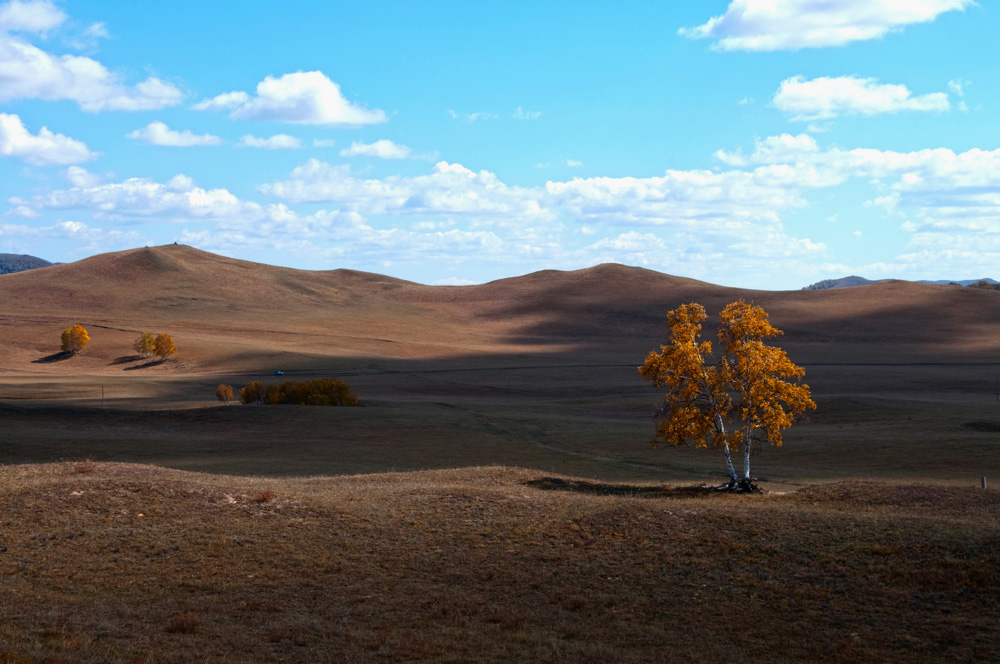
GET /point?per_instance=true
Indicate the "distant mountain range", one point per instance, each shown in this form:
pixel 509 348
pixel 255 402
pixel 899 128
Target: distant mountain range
pixel 20 262
pixel 847 282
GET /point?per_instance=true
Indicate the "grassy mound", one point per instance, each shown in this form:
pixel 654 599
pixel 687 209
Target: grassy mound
pixel 118 562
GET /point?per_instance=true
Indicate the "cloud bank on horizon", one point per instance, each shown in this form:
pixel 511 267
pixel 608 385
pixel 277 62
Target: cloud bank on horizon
pixel 752 143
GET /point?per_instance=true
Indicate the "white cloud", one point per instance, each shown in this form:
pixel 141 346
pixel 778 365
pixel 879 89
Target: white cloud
pixel 452 215
pixel 732 199
pixel 227 100
pixel 958 86
pixel 454 281
pixel 693 199
pixel 699 216
pixel 472 117
pixel 324 142
pixel 573 163
pixel 43 149
pixel 276 142
pixel 30 16
pixel 829 97
pixel 28 72
pixel 433 225
pixel 299 98
pixel 950 202
pixel 178 199
pixel 158 133
pixel 773 150
pixel 940 170
pixel 81 177
pixel 449 189
pixel 771 25
pixel 24 212
pixel 87 239
pixel 521 114
pixel 382 149
pixel 632 242
pixel 688 222
pixel 89 36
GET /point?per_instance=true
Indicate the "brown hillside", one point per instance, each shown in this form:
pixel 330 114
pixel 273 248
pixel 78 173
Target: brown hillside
pixel 225 311
pixel 538 371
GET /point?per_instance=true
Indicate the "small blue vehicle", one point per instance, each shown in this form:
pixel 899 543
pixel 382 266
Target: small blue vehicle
pixel 278 373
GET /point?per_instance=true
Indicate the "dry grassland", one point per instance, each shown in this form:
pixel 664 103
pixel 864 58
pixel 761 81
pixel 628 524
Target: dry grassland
pixel 473 559
pixel 125 563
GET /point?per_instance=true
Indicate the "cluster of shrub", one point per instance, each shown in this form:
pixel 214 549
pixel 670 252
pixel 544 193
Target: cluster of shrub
pixel 985 285
pixel 161 345
pixel 319 392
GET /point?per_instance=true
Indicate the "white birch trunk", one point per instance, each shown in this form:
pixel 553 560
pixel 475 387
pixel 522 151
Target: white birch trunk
pixel 720 425
pixel 746 453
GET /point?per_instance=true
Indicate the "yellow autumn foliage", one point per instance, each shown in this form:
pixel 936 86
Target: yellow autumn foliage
pixel 144 344
pixel 163 346
pixel 751 393
pixel 74 339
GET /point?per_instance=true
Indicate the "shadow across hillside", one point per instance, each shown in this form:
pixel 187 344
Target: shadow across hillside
pixel 54 357
pixel 627 490
pixel 125 359
pixel 145 365
pixel 572 413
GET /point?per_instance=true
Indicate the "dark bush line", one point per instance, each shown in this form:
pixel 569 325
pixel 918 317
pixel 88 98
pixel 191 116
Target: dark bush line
pixel 319 392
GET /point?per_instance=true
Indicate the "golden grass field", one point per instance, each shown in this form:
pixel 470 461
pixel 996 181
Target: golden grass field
pixel 873 543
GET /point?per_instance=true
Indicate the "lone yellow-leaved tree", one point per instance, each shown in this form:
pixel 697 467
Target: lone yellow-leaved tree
pixel 74 339
pixel 753 388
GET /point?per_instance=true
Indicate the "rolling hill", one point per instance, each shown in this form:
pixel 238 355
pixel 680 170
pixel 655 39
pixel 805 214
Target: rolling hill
pixel 537 371
pixel 848 282
pixel 10 263
pixel 843 282
pixel 229 314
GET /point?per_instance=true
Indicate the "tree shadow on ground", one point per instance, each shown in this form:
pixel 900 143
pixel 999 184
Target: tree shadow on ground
pixel 628 490
pixel 145 365
pixel 984 426
pixel 54 357
pixel 125 359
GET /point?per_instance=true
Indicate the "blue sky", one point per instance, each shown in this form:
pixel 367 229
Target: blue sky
pixel 753 143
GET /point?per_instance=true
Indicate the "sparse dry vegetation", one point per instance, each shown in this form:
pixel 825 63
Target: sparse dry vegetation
pixel 224 393
pixel 319 392
pixel 477 565
pixel 144 344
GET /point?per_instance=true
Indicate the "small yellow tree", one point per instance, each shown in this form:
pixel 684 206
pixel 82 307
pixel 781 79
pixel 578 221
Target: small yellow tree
pixel 74 339
pixel 145 344
pixel 224 393
pixel 754 387
pixel 163 346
